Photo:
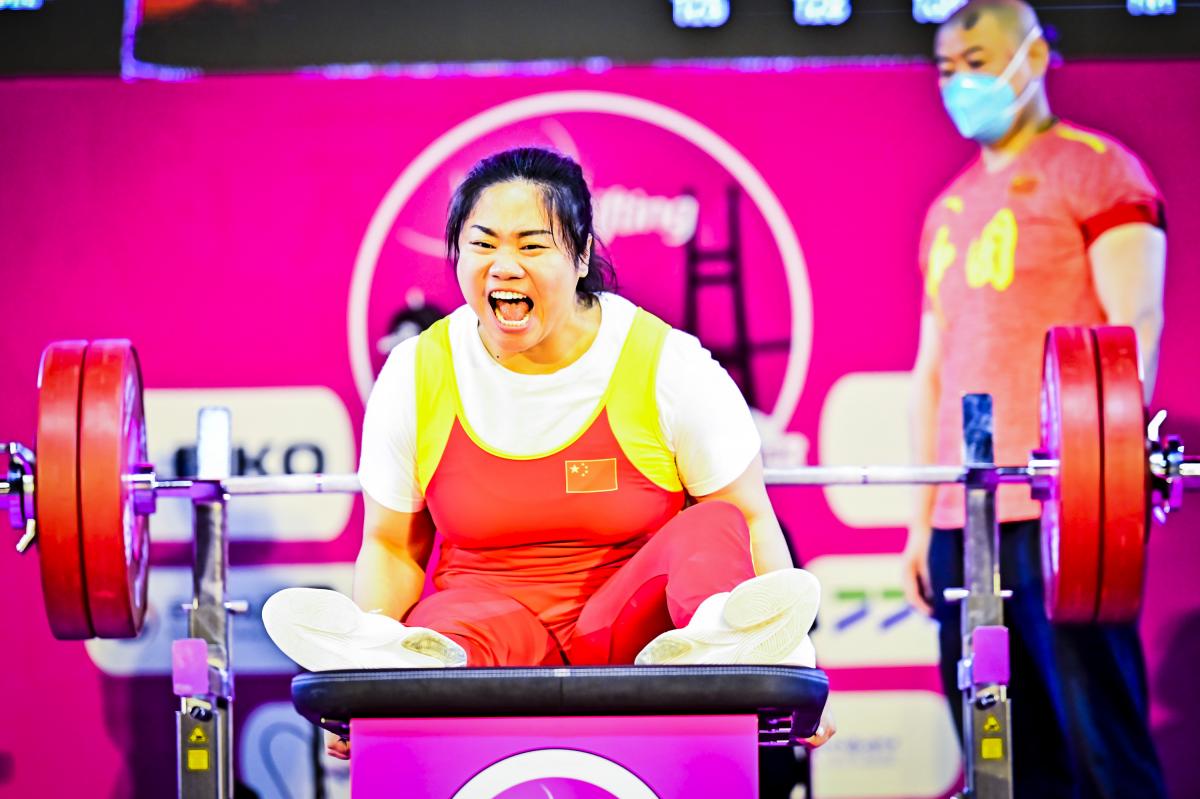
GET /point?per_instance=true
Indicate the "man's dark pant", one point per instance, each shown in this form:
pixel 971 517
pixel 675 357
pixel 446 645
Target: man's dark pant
pixel 1079 699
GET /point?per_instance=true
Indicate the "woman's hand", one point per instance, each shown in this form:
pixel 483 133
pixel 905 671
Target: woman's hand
pixel 826 729
pixel 337 746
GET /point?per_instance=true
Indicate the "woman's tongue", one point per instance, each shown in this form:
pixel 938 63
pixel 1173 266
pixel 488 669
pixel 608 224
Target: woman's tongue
pixel 512 310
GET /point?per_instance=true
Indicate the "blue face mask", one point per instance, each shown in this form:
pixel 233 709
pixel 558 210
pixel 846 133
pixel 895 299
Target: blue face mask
pixel 984 107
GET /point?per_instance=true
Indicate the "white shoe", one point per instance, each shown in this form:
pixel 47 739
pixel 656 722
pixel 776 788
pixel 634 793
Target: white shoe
pixel 764 620
pixel 323 630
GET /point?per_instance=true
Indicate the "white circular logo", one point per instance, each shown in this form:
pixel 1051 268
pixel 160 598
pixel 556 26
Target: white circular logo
pixel 553 104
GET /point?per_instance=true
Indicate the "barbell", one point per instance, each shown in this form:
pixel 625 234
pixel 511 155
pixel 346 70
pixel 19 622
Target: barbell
pixel 87 493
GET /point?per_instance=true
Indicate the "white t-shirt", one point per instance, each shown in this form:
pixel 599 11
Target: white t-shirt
pixel 704 419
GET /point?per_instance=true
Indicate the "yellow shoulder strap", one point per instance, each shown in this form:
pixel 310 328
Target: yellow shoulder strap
pixel 632 407
pixel 631 404
pixel 437 398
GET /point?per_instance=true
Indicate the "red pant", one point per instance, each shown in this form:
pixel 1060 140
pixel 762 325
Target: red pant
pixel 702 551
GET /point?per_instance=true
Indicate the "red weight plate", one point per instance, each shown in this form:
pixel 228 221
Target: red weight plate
pixel 112 443
pixel 1071 525
pixel 1126 475
pixel 60 550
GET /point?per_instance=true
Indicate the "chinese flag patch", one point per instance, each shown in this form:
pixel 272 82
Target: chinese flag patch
pixel 591 477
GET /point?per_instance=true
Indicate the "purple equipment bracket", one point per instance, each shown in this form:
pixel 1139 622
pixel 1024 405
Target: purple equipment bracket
pixel 989 665
pixel 189 667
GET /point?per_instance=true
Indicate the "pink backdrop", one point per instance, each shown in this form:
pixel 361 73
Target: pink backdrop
pixel 218 224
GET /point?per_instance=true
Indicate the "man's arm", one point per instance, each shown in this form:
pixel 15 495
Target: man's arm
pixel 1129 265
pixel 389 572
pixel 925 388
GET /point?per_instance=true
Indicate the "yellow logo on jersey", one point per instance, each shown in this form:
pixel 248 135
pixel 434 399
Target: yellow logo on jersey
pixel 990 258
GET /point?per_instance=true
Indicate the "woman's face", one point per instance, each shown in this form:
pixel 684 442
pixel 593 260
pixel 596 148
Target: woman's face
pixel 513 273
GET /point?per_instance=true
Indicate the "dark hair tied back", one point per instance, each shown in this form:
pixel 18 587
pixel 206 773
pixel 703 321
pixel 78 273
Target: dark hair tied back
pixel 568 204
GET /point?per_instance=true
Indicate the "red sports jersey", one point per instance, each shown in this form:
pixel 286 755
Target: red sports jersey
pixel 1004 257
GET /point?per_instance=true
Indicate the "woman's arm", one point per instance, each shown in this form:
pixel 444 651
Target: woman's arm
pixel 389 572
pixel 749 494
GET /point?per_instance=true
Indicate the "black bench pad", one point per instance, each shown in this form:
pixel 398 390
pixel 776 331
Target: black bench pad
pixel 332 698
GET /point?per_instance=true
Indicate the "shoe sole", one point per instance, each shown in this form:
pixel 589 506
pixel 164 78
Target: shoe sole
pixel 762 599
pixel 309 625
pixel 773 612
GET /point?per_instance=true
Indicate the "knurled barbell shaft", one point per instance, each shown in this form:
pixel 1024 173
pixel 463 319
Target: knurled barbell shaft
pixel 256 485
pixel 263 485
pixel 906 475
pixel 293 484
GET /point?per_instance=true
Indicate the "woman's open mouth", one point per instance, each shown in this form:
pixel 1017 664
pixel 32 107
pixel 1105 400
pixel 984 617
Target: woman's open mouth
pixel 511 308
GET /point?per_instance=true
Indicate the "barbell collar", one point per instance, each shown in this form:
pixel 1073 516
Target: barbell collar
pixel 16 489
pixel 1172 472
pixel 187 488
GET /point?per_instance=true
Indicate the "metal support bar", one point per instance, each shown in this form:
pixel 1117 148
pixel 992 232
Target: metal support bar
pixel 205 721
pixel 986 713
pixel 17 492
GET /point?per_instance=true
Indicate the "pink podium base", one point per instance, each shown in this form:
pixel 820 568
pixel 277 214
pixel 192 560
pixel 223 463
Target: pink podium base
pixel 580 757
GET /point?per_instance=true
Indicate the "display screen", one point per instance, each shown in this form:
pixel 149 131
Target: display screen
pixel 228 35
pixel 172 38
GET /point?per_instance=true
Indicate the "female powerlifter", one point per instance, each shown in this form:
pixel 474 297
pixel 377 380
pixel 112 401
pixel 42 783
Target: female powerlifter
pixel 594 475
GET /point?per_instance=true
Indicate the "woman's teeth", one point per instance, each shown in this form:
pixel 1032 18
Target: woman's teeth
pixel 511 308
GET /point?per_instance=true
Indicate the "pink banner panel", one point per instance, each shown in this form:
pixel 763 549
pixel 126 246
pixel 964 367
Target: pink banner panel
pixel 264 240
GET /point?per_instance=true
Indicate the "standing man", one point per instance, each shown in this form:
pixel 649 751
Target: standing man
pixel 1051 224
